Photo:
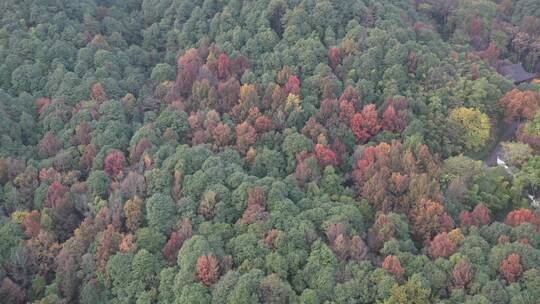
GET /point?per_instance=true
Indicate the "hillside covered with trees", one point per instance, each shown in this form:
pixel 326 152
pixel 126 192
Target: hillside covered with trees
pixel 269 151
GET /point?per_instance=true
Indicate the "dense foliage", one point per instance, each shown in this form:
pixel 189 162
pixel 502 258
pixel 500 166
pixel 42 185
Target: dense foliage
pixel 269 151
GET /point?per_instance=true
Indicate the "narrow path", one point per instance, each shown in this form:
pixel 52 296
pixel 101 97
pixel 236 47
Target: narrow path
pixel 496 157
pixel 508 134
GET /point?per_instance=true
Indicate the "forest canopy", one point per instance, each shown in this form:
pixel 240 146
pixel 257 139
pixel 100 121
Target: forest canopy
pixel 269 151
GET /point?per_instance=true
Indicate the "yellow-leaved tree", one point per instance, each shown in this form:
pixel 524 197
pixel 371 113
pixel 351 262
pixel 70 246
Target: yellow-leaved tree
pixel 475 126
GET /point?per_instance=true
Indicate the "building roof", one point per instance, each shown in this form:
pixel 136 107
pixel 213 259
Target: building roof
pixel 516 72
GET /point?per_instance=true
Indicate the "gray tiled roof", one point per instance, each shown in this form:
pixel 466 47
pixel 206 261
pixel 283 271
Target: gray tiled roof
pixel 515 72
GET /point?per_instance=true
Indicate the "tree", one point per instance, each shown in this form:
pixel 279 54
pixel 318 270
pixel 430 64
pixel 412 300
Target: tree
pixel 98 93
pixel 177 185
pixel 246 136
pixel 66 272
pixel 429 219
pixel 319 271
pixel 109 242
pixel 529 132
pixel 162 72
pixel 98 183
pixel 342 246
pixel 325 156
pixel 516 153
pixel 334 230
pixel 82 134
pixel 160 212
pixel 133 210
pixel 476 31
pixel 414 291
pixel 393 121
pixel 441 246
pixel 346 111
pixel 32 224
pixel 41 102
pixel 510 268
pixel 475 125
pixel 114 163
pixel 518 217
pixel 518 105
pixel 478 217
pixel 274 290
pixel 55 193
pixel 133 185
pixel 229 93
pixel 333 57
pixel 150 239
pixel 292 86
pixel 50 145
pixel 382 230
pixel 223 66
pixel 481 215
pixel 170 251
pixel 222 135
pixel 462 274
pixel 365 124
pixel 188 68
pixel 11 292
pixel 256 206
pixel 143 145
pixel 128 244
pixel 391 264
pixel 207 269
pixel 491 54
pixel 144 267
pixel 87 158
pixel 359 249
pixel 264 124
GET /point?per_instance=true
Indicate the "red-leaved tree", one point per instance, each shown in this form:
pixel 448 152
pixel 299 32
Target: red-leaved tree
pixel 382 230
pixel 176 240
pixel 365 124
pixel 325 156
pixel 246 136
pixel 478 217
pixel 518 217
pixel 264 124
pixel 114 163
pixel 223 66
pixel 429 218
pixel 207 269
pixel 256 206
pixel 139 149
pixel 50 145
pixel 85 162
pixel 292 86
pixel 391 264
pixel 32 224
pixel 55 193
pixel 41 103
pixel 229 94
pixel 462 274
pixel 109 243
pixel 511 268
pixel 98 93
pixel 188 68
pixel 441 246
pixel 10 292
pixel 334 57
pixel 519 105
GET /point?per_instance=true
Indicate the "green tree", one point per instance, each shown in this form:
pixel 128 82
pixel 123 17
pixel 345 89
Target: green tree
pixel 98 183
pixel 160 212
